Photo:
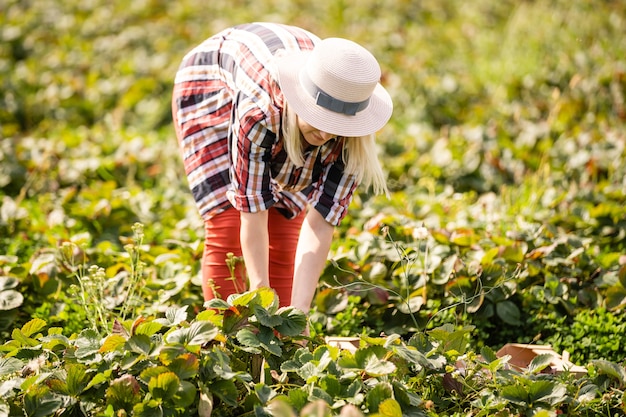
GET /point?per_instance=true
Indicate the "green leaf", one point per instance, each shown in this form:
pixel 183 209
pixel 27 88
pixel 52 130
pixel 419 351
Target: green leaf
pixel 453 341
pixel 411 355
pixel 508 312
pixel 405 396
pixel 464 237
pixel 152 372
pixel 442 332
pixel 363 354
pixel 99 378
pixel 375 367
pixel 412 305
pixel 164 386
pixel 381 392
pixel 39 402
pixel 140 344
pixel 290 366
pixel 485 311
pixel 376 272
pixel 331 301
pixel 294 321
pixel 198 333
pixel 490 256
pixel 214 317
pixel 493 362
pixel 540 362
pixel 9 365
pixel 57 386
pixel 265 318
pixel 148 328
pixel 88 344
pixel 22 340
pixel 447 270
pixel 588 392
pixel 488 354
pixel 149 408
pixel 32 327
pixel 235 318
pixel 264 393
pixel 248 338
pixel 347 360
pixel 548 392
pixel 318 393
pixel 517 394
pixel 611 369
pixel 168 353
pixel 514 253
pixel 390 408
pixel 331 385
pixel 186 395
pixel 123 392
pixel 77 379
pixel 354 388
pixel 226 391
pixel 269 341
pixel 615 297
pixel 8 317
pixel 264 296
pixel 282 406
pixel 216 303
pixel 112 343
pixel 298 398
pixel 10 299
pixel 185 366
pixel 173 316
pixel 309 372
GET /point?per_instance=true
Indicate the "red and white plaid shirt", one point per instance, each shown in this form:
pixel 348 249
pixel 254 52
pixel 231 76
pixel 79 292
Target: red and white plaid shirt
pixel 227 108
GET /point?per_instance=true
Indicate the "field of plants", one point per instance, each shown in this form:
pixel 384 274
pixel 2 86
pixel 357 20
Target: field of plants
pixel 506 223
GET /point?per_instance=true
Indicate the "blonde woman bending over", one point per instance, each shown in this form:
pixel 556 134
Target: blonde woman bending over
pixel 276 129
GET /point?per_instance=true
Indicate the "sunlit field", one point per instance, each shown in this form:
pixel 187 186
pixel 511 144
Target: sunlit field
pixel 506 163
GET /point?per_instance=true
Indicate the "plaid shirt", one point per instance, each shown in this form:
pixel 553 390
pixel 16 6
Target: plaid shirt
pixel 227 108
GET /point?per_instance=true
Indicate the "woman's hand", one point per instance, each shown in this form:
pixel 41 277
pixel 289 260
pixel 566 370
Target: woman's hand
pixel 255 244
pixel 313 245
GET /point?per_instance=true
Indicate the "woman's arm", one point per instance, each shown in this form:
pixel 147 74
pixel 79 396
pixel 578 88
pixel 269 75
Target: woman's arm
pixel 255 244
pixel 313 246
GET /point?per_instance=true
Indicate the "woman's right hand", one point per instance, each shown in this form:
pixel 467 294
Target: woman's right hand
pixel 254 238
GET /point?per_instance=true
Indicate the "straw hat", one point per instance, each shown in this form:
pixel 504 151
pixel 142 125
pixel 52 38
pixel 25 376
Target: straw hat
pixel 335 88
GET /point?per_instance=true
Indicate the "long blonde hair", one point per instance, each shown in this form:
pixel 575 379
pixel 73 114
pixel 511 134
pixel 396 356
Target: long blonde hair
pixel 358 153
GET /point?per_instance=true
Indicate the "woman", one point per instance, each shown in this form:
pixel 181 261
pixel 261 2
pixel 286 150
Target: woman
pixel 276 129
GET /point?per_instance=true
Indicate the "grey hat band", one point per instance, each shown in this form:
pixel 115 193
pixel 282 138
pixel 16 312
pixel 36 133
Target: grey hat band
pixel 329 102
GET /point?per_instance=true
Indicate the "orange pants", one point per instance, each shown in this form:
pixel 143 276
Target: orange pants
pixel 222 237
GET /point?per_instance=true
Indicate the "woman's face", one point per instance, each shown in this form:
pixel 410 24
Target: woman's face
pixel 312 135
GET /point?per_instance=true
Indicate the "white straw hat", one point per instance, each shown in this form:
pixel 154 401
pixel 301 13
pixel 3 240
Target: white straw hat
pixel 335 88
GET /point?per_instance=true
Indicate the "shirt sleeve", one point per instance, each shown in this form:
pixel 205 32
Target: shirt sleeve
pixel 250 147
pixel 333 192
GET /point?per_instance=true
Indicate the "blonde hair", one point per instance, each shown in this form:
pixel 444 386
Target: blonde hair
pixel 359 154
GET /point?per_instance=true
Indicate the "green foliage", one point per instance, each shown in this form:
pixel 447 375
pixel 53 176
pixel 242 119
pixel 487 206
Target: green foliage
pixel 150 366
pixel 209 366
pixel 505 158
pixel 10 300
pixel 589 335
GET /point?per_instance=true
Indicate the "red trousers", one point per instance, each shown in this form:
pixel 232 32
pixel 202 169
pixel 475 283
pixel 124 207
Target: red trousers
pixel 222 237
